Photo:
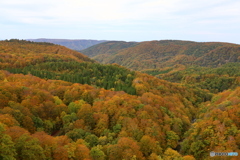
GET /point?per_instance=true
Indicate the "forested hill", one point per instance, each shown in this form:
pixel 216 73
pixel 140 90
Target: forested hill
pixel 50 61
pixel 101 51
pixel 165 53
pixel 75 44
pixel 21 53
pixel 213 66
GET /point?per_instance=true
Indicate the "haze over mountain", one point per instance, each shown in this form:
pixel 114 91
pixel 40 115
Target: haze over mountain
pixel 75 44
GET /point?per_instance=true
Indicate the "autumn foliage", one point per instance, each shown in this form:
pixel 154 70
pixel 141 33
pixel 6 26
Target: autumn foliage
pixel 50 118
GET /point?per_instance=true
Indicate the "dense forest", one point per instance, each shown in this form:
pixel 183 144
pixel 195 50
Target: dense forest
pixel 216 80
pixel 213 65
pixel 105 76
pixel 56 103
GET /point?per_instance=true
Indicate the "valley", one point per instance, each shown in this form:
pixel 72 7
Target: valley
pixel 155 100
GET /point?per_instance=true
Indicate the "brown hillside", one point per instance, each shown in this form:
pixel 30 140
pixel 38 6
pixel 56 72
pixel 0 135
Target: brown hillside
pixel 15 53
pixel 167 53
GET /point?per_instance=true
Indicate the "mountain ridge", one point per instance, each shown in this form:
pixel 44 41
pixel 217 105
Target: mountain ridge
pixel 176 61
pixel 165 53
pixel 22 53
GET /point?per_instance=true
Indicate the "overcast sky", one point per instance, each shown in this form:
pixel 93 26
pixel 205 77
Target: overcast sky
pixel 128 20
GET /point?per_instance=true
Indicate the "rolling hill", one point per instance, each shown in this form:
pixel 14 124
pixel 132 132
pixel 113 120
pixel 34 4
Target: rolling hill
pixel 107 49
pixel 20 53
pixel 212 65
pixel 166 53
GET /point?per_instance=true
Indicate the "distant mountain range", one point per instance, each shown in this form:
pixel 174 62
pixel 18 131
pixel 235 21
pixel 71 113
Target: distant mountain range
pixel 76 44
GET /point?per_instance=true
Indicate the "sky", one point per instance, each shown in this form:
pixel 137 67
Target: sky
pixel 127 20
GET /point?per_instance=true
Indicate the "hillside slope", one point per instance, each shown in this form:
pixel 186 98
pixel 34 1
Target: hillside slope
pixel 213 66
pixel 165 53
pixel 101 51
pixel 20 53
pixel 50 61
pixel 75 44
pixel 217 127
